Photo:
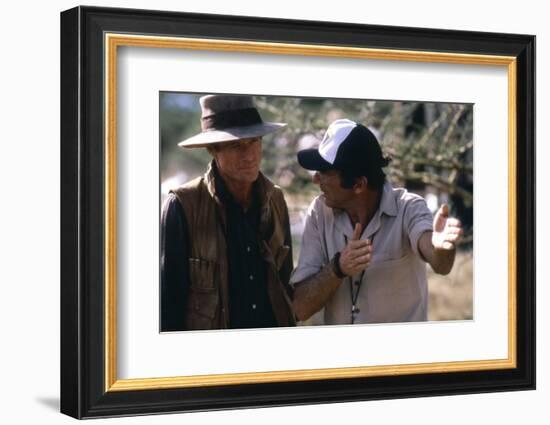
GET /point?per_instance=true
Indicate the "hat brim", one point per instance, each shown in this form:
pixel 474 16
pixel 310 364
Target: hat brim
pixel 311 159
pixel 211 137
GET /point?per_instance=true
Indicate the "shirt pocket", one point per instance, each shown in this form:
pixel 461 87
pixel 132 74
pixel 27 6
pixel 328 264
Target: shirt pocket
pixel 201 274
pixel 203 297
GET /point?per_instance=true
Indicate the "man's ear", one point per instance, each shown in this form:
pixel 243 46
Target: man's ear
pixel 360 185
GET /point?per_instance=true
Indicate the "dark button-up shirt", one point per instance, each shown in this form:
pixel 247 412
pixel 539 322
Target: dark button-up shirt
pixel 249 305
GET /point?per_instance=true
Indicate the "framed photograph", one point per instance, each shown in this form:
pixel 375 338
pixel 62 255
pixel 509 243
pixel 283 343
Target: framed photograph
pixel 450 118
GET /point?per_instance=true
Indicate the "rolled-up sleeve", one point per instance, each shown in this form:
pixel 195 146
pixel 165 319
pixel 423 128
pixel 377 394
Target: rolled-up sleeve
pixel 418 219
pixel 312 256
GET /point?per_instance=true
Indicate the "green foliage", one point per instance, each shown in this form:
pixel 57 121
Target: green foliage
pixel 180 119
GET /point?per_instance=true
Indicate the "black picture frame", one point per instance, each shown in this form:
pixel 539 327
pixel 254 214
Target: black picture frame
pixel 83 168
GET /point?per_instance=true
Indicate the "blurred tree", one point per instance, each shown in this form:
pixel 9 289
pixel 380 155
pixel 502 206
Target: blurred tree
pixel 431 144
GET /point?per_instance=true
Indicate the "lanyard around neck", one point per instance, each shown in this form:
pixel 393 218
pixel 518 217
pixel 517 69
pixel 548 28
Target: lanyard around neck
pixel 354 295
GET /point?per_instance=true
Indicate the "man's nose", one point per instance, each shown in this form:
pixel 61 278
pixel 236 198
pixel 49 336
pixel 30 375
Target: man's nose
pixel 316 177
pixel 247 152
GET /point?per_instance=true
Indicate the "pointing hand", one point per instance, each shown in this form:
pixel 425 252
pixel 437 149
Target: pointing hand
pixel 355 257
pixel 447 231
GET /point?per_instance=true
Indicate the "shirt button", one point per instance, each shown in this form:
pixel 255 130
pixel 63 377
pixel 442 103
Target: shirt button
pixel 251 277
pixel 247 249
pixel 253 306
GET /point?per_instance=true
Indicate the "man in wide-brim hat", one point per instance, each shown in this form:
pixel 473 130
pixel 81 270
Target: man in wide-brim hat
pixel 226 253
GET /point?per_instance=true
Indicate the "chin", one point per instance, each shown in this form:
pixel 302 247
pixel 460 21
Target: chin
pixel 331 203
pixel 328 202
pixel 248 176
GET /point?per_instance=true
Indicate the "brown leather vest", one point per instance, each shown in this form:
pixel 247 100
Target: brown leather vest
pixel 208 296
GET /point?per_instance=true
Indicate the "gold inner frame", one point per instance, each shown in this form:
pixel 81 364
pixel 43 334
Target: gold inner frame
pixel 113 41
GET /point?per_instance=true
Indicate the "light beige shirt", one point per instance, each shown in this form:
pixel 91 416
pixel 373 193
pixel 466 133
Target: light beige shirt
pixel 394 287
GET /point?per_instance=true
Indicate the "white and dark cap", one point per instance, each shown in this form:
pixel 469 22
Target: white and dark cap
pixel 226 118
pixel 346 146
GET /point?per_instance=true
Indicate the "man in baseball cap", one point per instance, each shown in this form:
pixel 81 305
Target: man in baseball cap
pixel 226 254
pixel 366 243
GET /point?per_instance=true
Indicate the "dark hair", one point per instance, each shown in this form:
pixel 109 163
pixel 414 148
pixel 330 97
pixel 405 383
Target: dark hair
pixel 374 174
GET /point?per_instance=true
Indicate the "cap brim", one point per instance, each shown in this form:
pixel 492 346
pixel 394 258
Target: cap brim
pixel 207 138
pixel 311 159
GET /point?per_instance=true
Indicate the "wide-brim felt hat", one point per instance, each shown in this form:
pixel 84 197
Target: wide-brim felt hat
pixel 226 118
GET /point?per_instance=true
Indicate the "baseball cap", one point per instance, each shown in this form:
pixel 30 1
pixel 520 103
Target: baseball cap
pixel 346 146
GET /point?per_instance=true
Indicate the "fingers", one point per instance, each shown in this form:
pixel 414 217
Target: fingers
pixel 360 244
pixel 453 231
pixel 356 232
pixel 360 252
pixel 453 222
pixel 448 246
pixel 356 256
pixel 453 234
pixel 449 238
pixel 442 212
pixel 442 222
pixel 354 268
pixel 452 237
pixel 362 261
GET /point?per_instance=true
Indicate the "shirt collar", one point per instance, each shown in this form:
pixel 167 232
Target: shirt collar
pixel 388 203
pixel 388 206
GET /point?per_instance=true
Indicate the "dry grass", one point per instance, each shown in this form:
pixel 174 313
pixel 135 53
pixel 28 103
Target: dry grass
pixel 451 296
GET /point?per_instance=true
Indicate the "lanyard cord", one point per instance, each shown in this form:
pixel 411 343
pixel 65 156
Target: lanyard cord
pixel 354 309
